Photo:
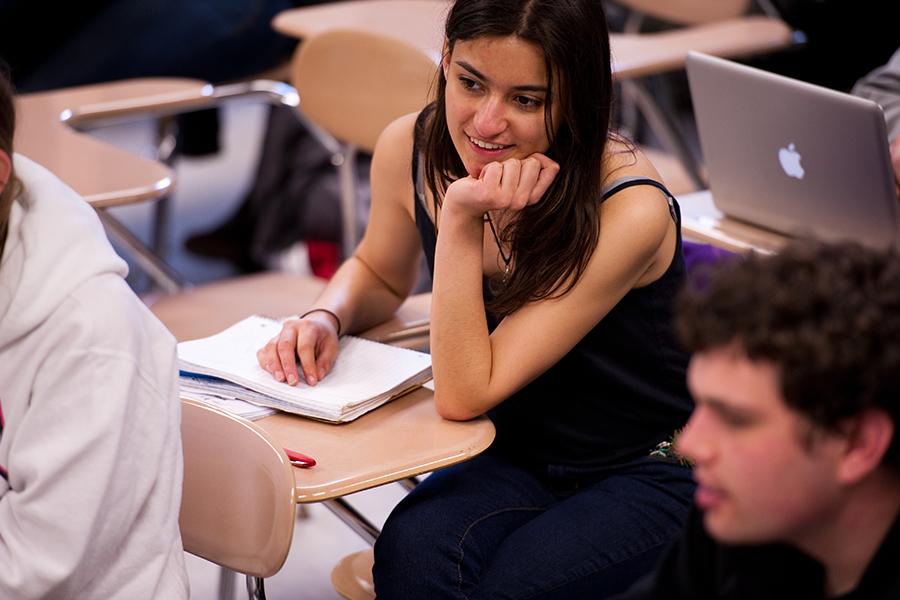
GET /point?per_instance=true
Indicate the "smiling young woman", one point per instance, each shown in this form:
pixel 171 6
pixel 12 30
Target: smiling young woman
pixel 555 256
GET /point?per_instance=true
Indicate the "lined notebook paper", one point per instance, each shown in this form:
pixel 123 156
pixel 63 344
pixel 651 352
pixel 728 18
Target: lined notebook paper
pixel 365 375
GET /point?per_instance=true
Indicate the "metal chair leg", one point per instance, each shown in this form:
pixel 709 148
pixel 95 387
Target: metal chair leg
pixel 160 272
pixel 165 153
pixel 226 583
pixel 256 590
pixel 410 483
pixel 353 519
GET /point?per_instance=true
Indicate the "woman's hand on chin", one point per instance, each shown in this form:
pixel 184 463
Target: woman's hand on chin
pixel 511 184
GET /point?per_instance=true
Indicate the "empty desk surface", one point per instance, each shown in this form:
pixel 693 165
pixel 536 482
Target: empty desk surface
pixel 421 24
pixel 403 438
pixel 209 308
pixel 103 174
pixel 417 22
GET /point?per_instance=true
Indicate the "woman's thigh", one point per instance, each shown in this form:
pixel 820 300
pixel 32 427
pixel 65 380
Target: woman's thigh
pixel 438 539
pixel 488 529
pixel 595 543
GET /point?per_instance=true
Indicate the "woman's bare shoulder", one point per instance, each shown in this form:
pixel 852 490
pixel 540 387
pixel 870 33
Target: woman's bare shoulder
pixel 397 137
pixel 391 171
pixel 624 159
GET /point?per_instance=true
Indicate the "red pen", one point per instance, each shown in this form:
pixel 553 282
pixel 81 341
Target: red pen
pixel 300 460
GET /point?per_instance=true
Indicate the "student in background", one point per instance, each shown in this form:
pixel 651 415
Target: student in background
pixel 794 440
pixel 90 443
pixel 555 258
pixel 883 86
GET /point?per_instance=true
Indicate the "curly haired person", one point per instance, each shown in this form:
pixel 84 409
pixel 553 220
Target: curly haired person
pixel 796 377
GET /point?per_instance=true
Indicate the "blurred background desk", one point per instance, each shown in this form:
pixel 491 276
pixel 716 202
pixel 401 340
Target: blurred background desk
pixel 420 23
pixel 107 176
pixel 407 37
pixel 701 221
pixel 103 174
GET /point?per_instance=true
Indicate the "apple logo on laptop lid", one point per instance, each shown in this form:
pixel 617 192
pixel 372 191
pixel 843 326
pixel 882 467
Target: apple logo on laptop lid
pixel 790 161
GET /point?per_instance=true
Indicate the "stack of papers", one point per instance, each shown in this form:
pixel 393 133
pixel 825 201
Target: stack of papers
pixel 224 395
pixel 365 375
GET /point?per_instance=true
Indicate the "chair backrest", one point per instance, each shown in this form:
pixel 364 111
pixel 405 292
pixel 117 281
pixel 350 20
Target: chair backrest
pixel 353 83
pixel 689 12
pixel 237 506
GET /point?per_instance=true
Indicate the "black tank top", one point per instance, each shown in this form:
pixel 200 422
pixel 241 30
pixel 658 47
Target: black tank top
pixel 620 391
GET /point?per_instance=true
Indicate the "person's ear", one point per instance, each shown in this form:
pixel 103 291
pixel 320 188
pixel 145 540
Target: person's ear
pixel 445 57
pixel 867 438
pixel 5 169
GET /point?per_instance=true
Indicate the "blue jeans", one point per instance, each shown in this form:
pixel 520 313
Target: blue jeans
pixel 489 529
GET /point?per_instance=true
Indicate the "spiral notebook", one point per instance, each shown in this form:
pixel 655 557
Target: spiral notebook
pixel 365 375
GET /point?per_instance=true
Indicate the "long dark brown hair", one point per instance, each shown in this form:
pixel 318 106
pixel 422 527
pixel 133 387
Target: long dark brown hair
pixel 552 241
pixel 7 129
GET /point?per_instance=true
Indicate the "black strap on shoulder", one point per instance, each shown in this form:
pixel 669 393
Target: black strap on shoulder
pixel 418 171
pixel 415 161
pixel 627 183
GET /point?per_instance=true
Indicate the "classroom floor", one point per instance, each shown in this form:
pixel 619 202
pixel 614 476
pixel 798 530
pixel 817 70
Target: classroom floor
pixel 207 191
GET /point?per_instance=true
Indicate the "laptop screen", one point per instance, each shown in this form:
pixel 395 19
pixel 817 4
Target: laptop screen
pixel 793 157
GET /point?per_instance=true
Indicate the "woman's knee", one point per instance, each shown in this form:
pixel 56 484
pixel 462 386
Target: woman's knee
pixel 410 529
pixel 415 552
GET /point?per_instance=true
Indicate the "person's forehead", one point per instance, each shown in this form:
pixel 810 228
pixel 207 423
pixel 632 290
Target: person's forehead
pixel 728 376
pixel 497 50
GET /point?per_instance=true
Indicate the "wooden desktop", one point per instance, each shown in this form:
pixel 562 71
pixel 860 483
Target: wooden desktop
pixel 420 23
pixel 398 440
pixel 103 174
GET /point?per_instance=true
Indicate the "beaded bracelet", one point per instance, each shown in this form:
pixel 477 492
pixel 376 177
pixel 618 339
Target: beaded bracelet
pixel 336 318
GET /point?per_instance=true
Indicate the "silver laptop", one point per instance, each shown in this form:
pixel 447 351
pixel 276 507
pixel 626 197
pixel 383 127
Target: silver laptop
pixel 794 157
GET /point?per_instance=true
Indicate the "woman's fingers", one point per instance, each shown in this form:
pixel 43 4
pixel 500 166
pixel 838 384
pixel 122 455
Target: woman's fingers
pixel 491 175
pixel 548 172
pixel 326 356
pixel 287 358
pixel 317 355
pixel 315 348
pixel 525 181
pixel 514 183
pixel 511 187
pixel 267 356
pixel 528 179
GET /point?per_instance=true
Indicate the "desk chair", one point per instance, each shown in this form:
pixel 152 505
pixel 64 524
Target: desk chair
pixel 49 131
pixel 237 505
pixel 354 83
pixel 419 23
pixel 721 28
pixel 206 309
pixel 399 440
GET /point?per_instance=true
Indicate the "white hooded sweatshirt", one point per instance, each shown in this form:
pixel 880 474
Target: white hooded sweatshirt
pixel 90 441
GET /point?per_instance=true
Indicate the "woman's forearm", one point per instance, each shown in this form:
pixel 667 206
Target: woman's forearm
pixel 359 297
pixel 460 343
